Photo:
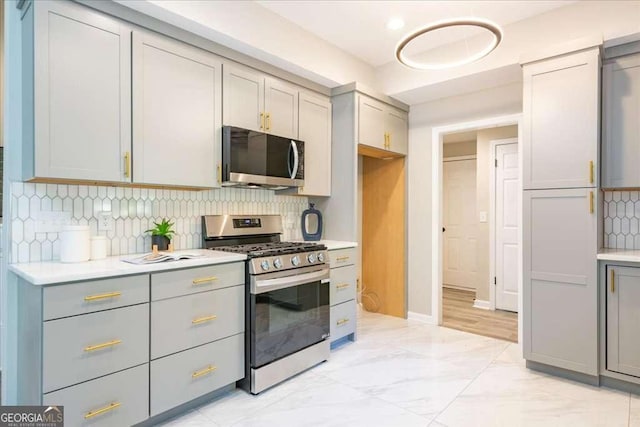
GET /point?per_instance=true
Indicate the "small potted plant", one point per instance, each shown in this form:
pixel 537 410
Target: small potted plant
pixel 161 234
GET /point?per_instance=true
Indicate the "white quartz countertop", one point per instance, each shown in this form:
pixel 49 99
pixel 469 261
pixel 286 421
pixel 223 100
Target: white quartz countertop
pixel 335 244
pixel 47 273
pixel 628 255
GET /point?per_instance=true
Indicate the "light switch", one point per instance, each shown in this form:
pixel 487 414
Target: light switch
pixel 483 216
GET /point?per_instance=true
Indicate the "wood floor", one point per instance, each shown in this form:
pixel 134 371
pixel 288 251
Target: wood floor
pixel 458 313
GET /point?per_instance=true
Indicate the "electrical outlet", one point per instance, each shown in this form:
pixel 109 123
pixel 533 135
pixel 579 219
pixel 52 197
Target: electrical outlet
pixel 105 221
pixel 483 216
pixel 52 222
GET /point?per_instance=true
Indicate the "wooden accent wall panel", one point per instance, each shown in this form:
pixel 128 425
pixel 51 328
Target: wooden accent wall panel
pixel 383 234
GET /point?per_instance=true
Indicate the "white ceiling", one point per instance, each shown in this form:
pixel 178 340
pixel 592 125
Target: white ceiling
pixel 359 27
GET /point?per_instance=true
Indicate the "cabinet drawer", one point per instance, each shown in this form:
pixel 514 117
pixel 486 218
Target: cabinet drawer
pixel 120 399
pixel 190 281
pixel 342 257
pixel 80 348
pixel 343 284
pixel 192 320
pixel 184 376
pixel 94 295
pixel 343 319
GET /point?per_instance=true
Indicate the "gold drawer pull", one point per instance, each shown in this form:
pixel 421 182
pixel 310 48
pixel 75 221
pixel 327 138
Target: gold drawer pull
pixel 199 320
pixel 613 281
pixel 204 280
pixel 103 345
pixel 205 371
pixel 342 322
pixel 342 258
pixel 590 201
pixel 107 408
pixel 342 286
pixel 102 296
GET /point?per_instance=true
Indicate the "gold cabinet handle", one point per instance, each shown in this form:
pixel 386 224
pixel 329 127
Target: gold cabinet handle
pixel 103 345
pixel 268 121
pixel 100 411
pixel 202 372
pixel 199 320
pixel 342 322
pixel 102 296
pixel 127 164
pixel 342 286
pixel 261 120
pixel 342 258
pixel 591 174
pixel 219 174
pixel 590 201
pixel 202 280
pixel 613 281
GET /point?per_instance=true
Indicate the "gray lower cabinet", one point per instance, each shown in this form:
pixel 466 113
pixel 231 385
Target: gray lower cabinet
pixel 623 320
pixel 342 294
pixel 181 377
pixel 560 278
pixel 121 399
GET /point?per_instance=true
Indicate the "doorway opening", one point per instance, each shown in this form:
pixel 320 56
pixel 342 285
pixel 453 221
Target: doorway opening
pixel 480 230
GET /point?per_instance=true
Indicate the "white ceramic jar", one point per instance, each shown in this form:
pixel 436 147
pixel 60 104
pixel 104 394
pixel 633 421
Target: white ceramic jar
pixel 74 243
pixel 98 247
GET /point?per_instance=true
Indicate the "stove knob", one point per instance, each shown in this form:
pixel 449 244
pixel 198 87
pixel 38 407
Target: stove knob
pixel 311 258
pixel 277 263
pixel 265 265
pixel 295 261
pixel 320 257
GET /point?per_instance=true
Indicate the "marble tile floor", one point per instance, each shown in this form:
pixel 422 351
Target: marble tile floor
pixel 404 373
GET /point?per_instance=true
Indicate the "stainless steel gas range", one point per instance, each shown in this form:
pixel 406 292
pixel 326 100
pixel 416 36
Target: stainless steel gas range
pixel 287 297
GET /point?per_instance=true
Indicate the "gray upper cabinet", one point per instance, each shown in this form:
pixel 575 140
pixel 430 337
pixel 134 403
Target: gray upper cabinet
pixel 315 131
pixel 281 108
pixel 177 112
pixel 77 65
pixel 560 278
pixel 243 97
pixel 255 101
pixel 382 126
pixel 623 320
pixel 561 121
pixel 621 122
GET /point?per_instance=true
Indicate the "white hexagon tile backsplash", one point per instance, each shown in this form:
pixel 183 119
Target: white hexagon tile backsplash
pixel 622 219
pixel 134 210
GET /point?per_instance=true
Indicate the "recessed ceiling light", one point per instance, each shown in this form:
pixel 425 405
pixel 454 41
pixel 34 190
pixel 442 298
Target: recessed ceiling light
pixel 395 23
pixel 493 28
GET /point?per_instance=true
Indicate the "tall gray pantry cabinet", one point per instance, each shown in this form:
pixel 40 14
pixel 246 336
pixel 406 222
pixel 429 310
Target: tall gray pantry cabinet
pixel 561 207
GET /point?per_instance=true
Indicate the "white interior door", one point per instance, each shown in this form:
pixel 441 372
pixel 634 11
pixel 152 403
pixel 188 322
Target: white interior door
pixel 507 226
pixel 460 227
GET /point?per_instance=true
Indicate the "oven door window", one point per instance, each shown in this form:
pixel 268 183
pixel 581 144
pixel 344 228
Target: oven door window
pixel 287 320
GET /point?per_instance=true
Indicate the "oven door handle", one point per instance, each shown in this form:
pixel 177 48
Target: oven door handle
pixel 267 285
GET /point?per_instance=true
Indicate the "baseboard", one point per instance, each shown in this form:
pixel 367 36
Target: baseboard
pixel 423 318
pixel 485 305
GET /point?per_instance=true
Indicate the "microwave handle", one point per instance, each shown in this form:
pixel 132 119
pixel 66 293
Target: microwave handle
pixel 294 170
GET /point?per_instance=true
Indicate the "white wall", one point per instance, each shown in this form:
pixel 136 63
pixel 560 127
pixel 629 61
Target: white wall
pixel 609 19
pixel 498 101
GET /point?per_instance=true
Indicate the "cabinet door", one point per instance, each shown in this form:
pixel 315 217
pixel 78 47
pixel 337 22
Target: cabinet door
pixel 561 133
pixel 315 131
pixel 398 129
pixel 372 116
pixel 560 279
pixel 176 113
pixel 281 108
pixel 82 93
pixel 243 97
pixel 621 122
pixel 623 320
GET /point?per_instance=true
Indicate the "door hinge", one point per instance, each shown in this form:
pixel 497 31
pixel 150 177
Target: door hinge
pixel 496 162
pixel 495 280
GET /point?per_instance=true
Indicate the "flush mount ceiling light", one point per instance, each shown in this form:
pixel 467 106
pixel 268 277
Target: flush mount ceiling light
pixel 494 29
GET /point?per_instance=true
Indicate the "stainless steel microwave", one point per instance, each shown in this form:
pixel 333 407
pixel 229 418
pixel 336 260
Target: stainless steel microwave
pixel 251 158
